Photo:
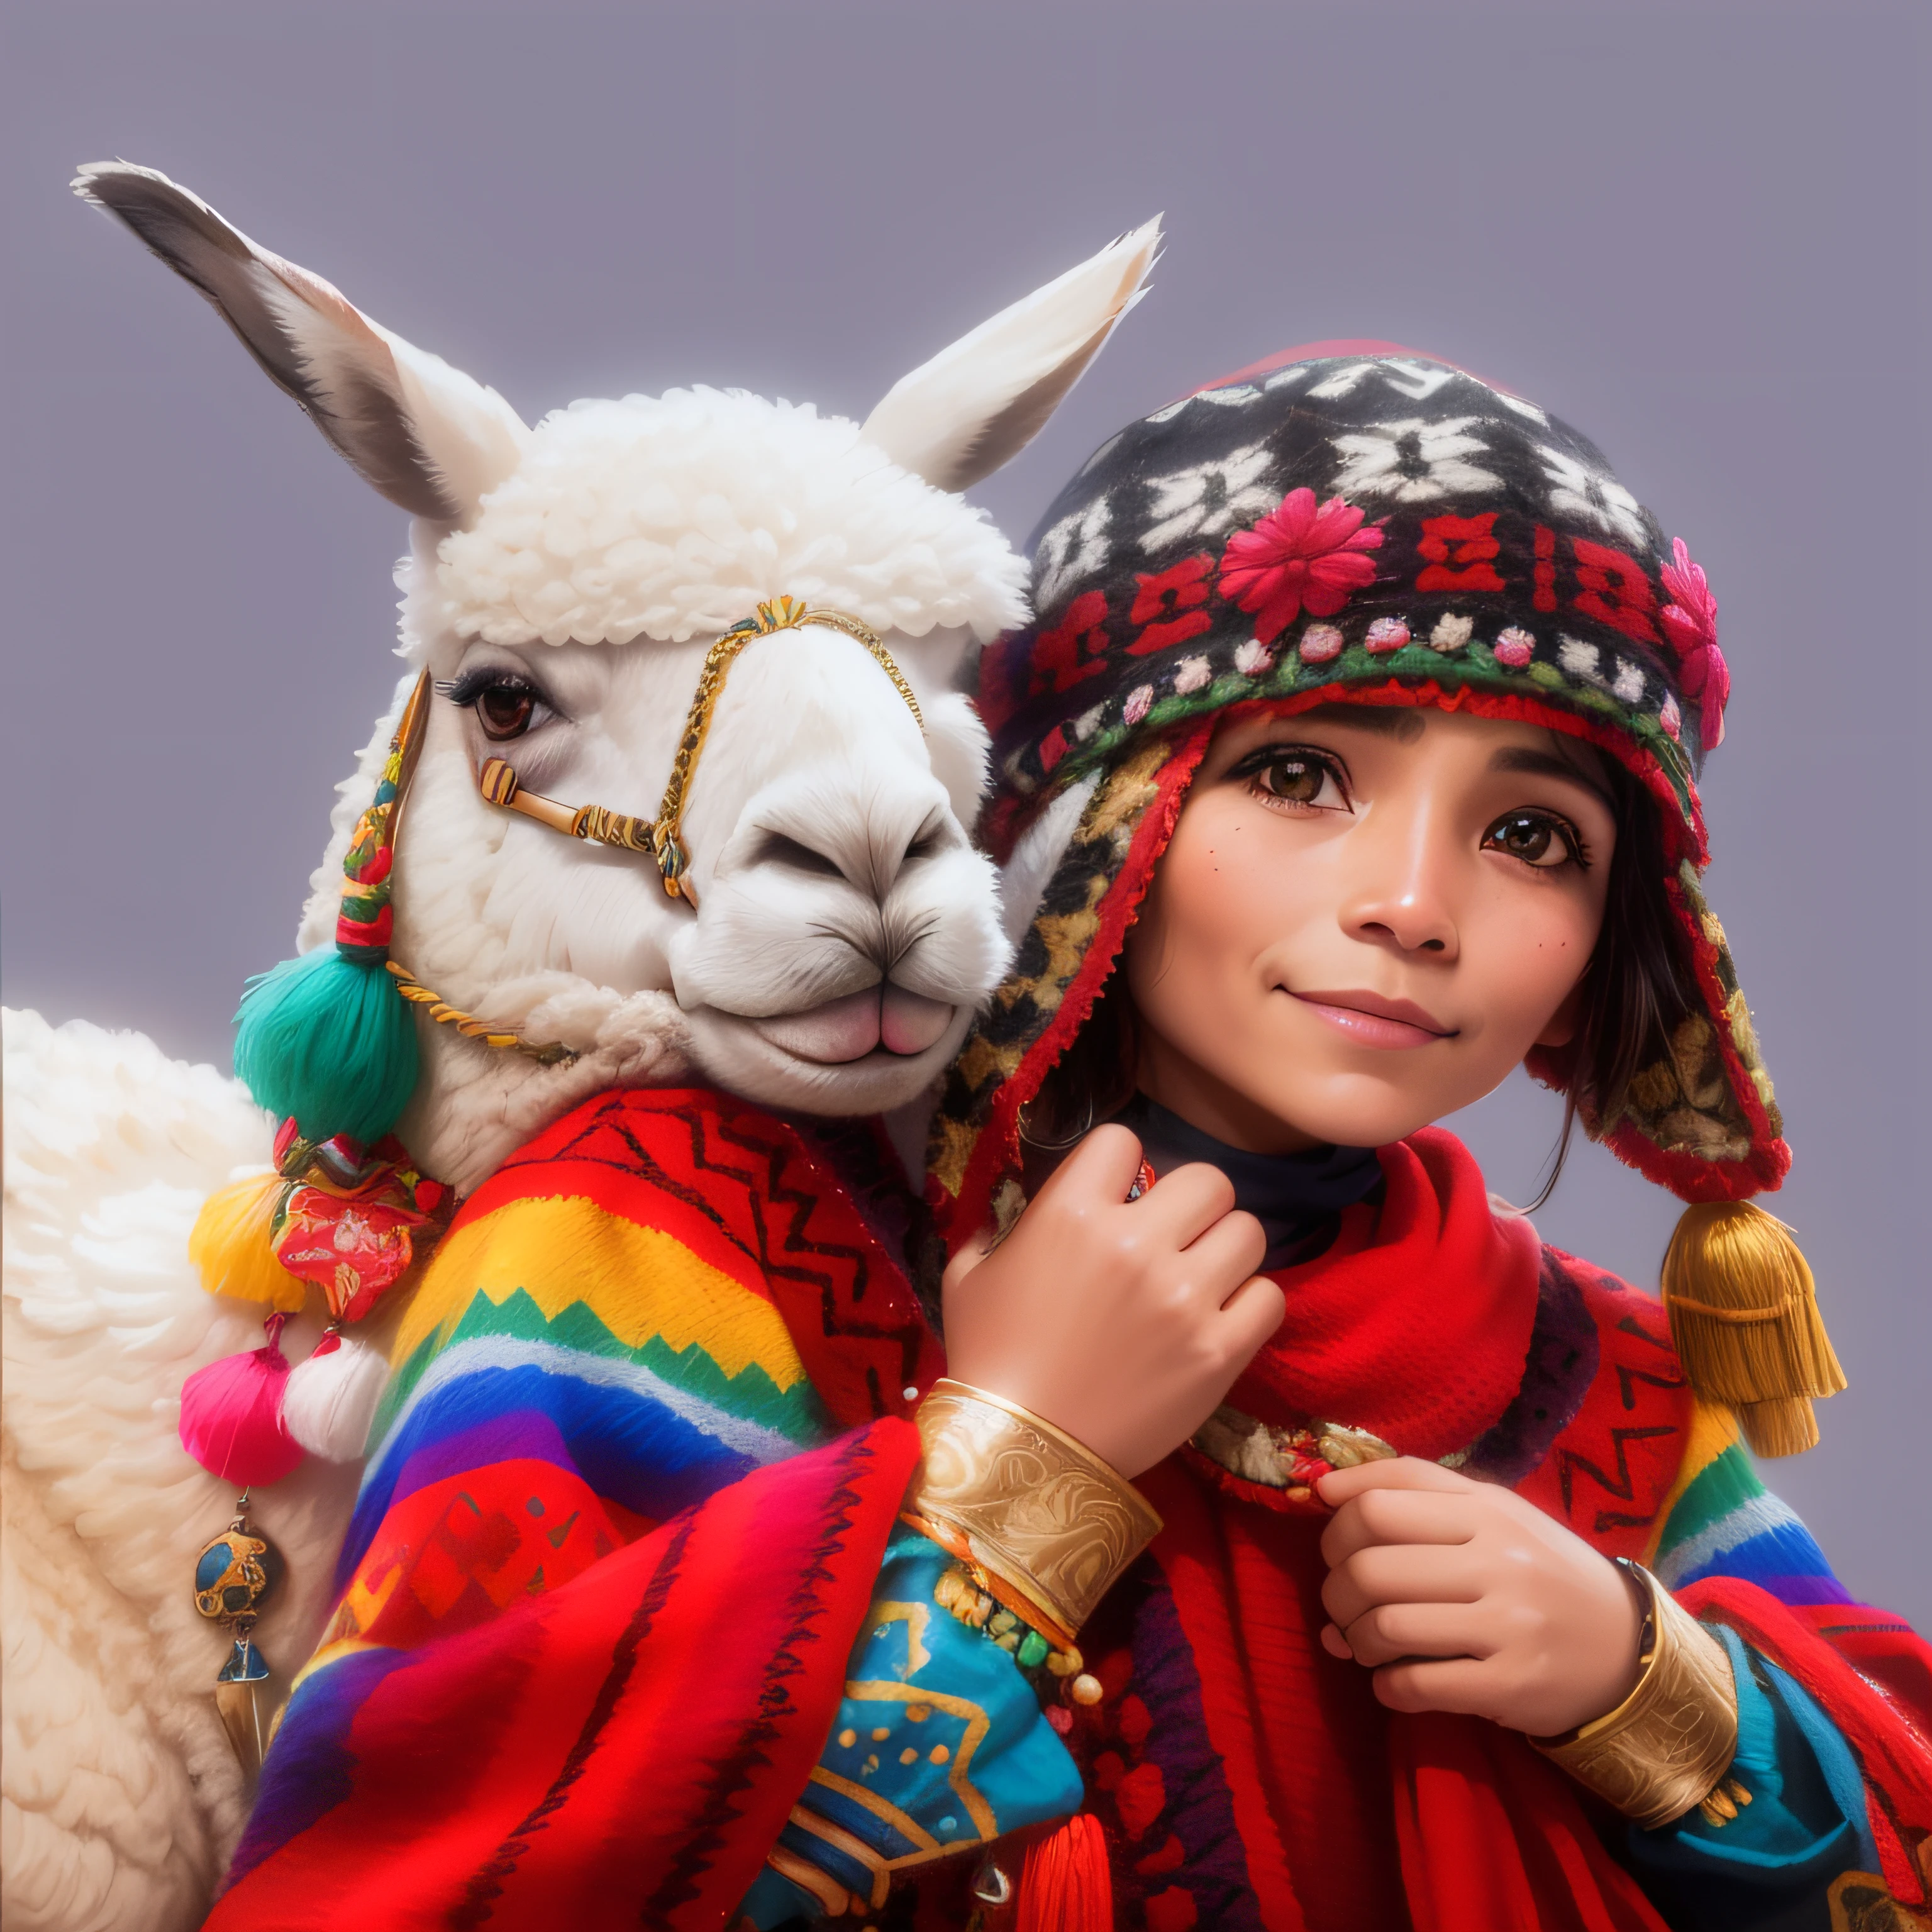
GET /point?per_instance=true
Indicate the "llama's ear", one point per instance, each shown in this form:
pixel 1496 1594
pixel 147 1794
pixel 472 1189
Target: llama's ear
pixel 432 440
pixel 957 418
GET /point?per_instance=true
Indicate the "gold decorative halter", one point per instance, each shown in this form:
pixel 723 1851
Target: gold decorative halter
pixel 662 837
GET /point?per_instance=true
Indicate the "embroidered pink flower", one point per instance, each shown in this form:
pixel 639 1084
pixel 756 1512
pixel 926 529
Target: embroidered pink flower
pixel 1671 719
pixel 1514 647
pixel 1386 634
pixel 1138 699
pixel 1690 621
pixel 1320 643
pixel 1298 556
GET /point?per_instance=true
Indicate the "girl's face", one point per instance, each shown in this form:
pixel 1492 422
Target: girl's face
pixel 1365 917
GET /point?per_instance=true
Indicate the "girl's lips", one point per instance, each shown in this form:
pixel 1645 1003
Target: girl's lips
pixel 1367 1019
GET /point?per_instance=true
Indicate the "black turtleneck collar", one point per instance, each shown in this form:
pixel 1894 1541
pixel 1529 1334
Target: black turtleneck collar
pixel 1297 1198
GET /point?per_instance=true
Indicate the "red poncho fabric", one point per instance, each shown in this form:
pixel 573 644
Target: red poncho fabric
pixel 1247 1777
pixel 588 1650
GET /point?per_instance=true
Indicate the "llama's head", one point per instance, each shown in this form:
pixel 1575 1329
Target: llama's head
pixel 829 928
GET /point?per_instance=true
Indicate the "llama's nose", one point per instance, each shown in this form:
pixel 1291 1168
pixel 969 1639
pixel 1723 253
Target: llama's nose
pixel 870 857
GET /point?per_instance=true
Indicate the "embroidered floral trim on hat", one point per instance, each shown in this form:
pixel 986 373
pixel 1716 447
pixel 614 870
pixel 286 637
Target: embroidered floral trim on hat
pixel 1298 555
pixel 1690 623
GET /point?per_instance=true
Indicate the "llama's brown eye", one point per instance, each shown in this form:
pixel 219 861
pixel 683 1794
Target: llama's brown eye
pixel 504 710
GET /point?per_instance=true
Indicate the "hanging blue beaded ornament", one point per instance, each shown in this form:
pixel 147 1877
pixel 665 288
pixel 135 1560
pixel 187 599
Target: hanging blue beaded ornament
pixel 235 1575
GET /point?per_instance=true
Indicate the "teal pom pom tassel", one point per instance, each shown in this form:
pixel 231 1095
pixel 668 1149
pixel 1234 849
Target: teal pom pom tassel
pixel 331 1042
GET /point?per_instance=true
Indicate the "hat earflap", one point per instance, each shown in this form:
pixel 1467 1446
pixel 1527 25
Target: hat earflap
pixel 1744 1320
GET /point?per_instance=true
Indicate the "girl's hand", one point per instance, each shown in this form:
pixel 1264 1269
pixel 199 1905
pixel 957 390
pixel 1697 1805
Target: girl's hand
pixel 1124 1323
pixel 1533 1628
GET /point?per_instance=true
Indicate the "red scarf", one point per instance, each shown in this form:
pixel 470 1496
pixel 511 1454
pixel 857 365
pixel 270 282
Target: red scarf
pixel 1416 1325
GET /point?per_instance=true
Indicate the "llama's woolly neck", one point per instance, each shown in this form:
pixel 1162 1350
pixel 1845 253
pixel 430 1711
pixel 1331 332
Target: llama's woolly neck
pixel 667 517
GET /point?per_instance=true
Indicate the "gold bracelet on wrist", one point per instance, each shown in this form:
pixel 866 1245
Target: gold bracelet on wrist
pixel 1041 1515
pixel 1669 1745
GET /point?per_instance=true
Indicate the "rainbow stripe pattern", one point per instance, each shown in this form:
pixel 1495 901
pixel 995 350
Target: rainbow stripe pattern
pixel 625 1508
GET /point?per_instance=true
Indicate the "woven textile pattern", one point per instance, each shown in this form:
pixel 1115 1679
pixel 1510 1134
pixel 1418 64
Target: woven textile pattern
pixel 624 1509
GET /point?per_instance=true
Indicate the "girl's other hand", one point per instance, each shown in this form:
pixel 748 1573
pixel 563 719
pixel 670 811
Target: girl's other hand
pixel 1462 1596
pixel 1124 1323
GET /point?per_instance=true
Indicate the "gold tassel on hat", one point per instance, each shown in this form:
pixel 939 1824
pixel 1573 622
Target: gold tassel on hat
pixel 1743 1316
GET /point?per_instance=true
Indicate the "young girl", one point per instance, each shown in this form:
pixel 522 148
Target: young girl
pixel 1355 743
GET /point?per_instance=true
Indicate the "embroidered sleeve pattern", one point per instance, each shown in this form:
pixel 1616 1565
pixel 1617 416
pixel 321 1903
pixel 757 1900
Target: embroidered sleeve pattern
pixel 940 1746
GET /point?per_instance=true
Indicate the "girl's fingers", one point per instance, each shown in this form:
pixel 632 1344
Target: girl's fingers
pixel 1408 1573
pixel 1186 1204
pixel 1395 1515
pixel 1401 1472
pixel 1098 1172
pixel 1463 1684
pixel 1391 1632
pixel 1223 1258
pixel 1250 1316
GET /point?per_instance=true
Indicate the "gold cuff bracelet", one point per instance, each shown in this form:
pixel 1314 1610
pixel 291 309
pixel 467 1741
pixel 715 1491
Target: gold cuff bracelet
pixel 1668 1745
pixel 1012 1495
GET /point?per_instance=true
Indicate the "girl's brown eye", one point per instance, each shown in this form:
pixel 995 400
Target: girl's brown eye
pixel 504 710
pixel 1534 837
pixel 1298 780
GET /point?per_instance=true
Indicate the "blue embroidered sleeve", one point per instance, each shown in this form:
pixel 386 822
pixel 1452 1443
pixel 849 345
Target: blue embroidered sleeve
pixel 941 1745
pixel 1773 1864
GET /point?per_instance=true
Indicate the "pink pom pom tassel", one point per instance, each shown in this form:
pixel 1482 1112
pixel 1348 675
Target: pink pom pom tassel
pixel 231 1415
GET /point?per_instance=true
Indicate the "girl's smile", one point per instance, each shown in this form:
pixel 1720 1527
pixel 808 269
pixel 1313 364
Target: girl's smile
pixel 1370 1020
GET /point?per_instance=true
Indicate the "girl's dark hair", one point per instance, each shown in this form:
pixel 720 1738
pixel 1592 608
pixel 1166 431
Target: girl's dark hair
pixel 1637 990
pixel 1639 987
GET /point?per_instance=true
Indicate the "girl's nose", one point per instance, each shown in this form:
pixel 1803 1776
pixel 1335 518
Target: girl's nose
pixel 1398 896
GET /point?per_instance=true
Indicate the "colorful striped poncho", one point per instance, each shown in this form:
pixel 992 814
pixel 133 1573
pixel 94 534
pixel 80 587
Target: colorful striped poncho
pixel 623 1526
pixel 624 1509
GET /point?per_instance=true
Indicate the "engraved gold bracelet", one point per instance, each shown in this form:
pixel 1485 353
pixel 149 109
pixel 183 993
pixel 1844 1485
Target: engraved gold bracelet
pixel 1668 1745
pixel 1039 1513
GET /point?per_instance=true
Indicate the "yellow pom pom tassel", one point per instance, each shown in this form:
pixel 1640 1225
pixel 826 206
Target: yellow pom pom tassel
pixel 1744 1315
pixel 230 1246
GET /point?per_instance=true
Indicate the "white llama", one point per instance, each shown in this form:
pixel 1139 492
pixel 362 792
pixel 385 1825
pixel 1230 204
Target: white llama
pixel 834 930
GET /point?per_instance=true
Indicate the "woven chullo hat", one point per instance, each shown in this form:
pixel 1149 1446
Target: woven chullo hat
pixel 1356 522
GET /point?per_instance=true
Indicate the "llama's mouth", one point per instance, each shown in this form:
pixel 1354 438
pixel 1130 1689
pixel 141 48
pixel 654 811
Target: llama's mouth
pixel 849 1028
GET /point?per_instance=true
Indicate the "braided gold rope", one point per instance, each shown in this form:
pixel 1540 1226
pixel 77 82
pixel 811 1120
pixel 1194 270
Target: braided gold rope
pixel 471 1028
pixel 782 613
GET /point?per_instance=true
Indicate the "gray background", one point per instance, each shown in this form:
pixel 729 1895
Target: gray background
pixel 1696 231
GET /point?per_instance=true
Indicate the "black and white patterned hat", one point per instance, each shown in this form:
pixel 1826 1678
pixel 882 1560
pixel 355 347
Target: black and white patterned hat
pixel 1351 518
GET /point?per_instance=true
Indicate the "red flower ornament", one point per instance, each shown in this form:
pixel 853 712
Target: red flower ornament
pixel 1690 621
pixel 1298 557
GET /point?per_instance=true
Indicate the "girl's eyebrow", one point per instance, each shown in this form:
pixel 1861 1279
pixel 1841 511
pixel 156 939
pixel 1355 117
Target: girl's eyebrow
pixel 1526 758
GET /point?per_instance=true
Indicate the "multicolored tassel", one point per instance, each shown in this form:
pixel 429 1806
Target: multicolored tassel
pixel 326 1039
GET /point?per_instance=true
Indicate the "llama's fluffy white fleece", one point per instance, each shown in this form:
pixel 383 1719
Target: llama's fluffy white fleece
pixel 120 1799
pixel 669 515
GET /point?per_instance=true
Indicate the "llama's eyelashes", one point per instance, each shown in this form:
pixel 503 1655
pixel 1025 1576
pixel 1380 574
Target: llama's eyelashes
pixel 507 704
pixel 463 691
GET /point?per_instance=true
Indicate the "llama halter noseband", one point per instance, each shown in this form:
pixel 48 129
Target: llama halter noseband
pixel 661 837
